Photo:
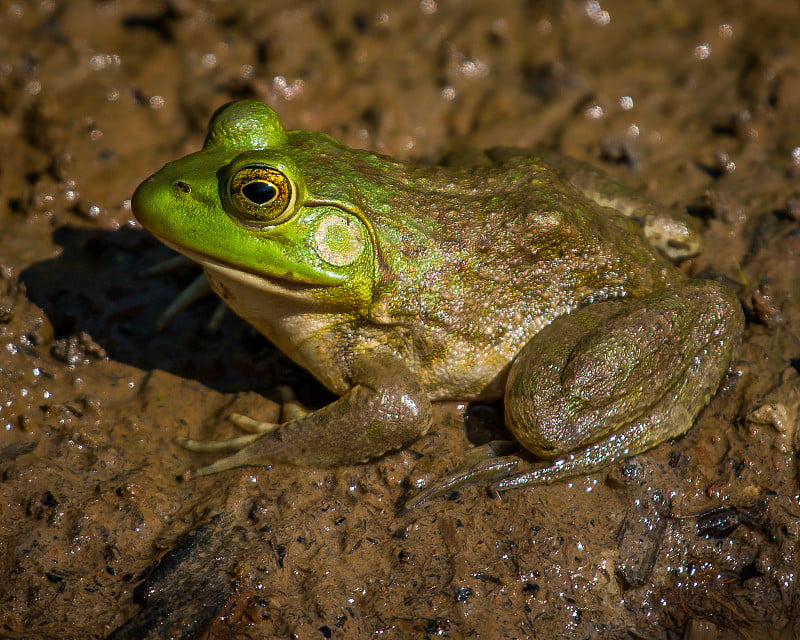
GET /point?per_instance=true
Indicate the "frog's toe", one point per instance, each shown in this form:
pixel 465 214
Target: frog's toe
pixel 235 446
pixel 246 423
pixel 487 470
pixel 197 290
pixel 291 409
pixel 218 446
pixel 234 461
pixel 218 315
pixel 173 263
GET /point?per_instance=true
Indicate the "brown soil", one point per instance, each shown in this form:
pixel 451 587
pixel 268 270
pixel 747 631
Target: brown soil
pixel 697 103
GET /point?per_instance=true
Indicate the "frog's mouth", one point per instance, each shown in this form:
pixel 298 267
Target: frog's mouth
pixel 249 278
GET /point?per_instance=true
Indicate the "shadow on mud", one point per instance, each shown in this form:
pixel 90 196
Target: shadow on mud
pixel 99 298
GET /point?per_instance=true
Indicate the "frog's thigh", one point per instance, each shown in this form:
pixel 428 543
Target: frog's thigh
pixel 618 377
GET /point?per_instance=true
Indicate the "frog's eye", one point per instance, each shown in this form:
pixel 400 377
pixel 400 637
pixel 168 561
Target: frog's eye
pixel 261 194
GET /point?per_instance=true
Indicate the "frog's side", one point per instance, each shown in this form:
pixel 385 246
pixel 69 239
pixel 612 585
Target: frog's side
pixel 396 285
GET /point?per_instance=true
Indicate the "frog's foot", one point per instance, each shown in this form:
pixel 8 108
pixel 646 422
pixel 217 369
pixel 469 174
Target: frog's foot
pixel 386 408
pixel 635 438
pixel 504 472
pixel 291 410
pixel 485 463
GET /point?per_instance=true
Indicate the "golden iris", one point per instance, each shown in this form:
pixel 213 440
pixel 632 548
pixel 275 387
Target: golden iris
pixel 260 193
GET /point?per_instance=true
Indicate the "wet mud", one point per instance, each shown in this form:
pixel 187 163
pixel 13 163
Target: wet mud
pixel 696 103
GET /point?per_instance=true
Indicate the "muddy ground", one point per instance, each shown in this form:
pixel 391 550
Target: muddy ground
pixel 696 103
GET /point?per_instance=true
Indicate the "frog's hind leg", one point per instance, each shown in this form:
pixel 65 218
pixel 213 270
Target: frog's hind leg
pixel 608 381
pixel 616 378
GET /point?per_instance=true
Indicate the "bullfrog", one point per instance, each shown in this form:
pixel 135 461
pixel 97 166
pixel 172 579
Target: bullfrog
pixel 519 276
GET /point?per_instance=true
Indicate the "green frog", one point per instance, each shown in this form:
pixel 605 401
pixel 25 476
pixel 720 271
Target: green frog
pixel 518 276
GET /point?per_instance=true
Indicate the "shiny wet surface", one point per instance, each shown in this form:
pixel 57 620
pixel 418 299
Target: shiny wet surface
pixel 696 104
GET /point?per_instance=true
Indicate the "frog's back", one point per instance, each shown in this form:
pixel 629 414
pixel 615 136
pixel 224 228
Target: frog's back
pixel 490 243
pixel 474 261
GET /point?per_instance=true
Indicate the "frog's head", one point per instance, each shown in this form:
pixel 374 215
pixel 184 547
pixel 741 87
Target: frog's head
pixel 242 205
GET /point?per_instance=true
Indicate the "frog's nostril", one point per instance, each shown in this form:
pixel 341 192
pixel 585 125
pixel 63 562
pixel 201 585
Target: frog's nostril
pixel 180 185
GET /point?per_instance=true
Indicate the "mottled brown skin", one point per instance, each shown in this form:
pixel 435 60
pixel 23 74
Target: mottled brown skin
pixel 398 285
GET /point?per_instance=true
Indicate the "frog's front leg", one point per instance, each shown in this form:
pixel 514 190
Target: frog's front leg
pixel 386 408
pixel 618 377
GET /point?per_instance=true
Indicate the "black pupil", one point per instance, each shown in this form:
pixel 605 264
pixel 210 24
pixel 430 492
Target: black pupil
pixel 259 192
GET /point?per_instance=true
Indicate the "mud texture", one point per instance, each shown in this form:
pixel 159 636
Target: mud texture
pixel 697 103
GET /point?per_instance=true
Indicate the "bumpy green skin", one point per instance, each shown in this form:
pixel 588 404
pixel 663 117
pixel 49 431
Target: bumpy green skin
pixel 397 285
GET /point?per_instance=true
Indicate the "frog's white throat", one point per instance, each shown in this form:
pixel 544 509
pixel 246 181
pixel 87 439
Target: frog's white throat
pixel 287 313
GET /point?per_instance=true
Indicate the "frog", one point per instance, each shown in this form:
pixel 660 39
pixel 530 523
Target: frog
pixel 519 276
